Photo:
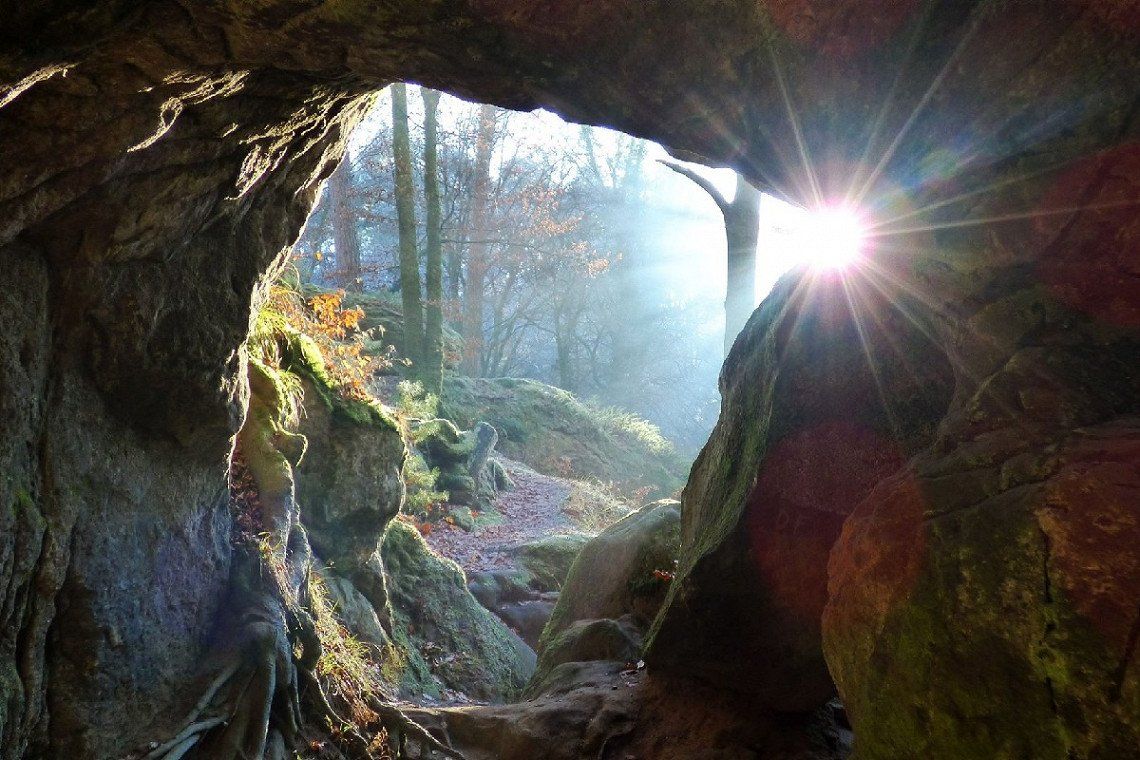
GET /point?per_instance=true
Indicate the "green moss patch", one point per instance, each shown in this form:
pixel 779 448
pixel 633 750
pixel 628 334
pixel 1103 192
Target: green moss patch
pixel 450 640
pixel 554 432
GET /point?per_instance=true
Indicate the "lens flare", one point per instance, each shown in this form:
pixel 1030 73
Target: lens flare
pixel 834 238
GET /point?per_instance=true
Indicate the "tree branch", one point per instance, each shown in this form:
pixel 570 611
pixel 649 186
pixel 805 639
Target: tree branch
pixel 702 182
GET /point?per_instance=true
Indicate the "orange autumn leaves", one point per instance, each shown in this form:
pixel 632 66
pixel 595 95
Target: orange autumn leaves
pixel 336 332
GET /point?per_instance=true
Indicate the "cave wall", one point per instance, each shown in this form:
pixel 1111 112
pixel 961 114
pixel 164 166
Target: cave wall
pixel 831 387
pixel 157 157
pixel 129 278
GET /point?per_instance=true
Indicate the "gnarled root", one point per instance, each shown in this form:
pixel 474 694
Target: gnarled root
pixel 257 705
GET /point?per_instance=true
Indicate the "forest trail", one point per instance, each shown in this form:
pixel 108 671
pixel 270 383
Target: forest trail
pixel 531 510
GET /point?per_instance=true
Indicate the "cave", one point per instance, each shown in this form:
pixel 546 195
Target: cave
pixel 964 572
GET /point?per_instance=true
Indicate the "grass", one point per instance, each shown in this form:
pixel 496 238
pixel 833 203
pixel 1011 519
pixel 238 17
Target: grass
pixel 346 664
pixel 619 422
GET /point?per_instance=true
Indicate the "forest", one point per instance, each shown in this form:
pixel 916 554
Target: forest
pixel 560 253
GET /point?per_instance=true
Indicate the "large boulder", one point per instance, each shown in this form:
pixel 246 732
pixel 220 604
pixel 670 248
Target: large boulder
pixel 612 592
pixel 984 600
pixel 822 398
pixel 450 640
pixel 554 432
pixel 547 560
pixel 349 481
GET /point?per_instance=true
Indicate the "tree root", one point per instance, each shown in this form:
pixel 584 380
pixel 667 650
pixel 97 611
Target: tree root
pixel 252 709
pixel 256 706
pixel 402 728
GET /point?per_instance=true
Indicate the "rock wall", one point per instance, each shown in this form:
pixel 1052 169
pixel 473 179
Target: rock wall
pixel 830 387
pixel 157 157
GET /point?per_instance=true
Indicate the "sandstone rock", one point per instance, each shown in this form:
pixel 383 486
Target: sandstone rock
pixel 1007 623
pixel 356 612
pixel 159 158
pixel 548 560
pixel 603 640
pixel 554 432
pixel 821 399
pixel 348 484
pixel 528 617
pixel 618 572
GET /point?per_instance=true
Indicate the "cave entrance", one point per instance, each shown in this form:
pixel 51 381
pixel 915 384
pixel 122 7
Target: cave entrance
pixel 569 272
pixel 576 279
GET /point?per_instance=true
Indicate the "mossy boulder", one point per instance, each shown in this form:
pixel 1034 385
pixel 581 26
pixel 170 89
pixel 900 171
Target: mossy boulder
pixel 466 471
pixel 547 560
pixel 620 574
pixel 554 432
pixel 587 641
pixel 448 638
pixel 348 483
pixel 493 588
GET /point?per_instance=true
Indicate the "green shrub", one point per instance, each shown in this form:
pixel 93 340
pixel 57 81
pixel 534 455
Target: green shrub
pixel 421 482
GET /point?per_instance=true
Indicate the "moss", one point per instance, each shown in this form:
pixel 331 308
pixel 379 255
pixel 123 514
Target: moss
pixel 301 356
pixel 585 641
pixel 613 574
pixel 447 637
pixel 22 503
pixel 548 560
pixel 262 436
pixel 552 431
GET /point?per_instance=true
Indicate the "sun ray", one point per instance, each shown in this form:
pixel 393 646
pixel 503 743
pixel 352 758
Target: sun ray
pixel 1013 217
pixel 919 107
pixel 888 101
pixel 988 188
pixel 848 284
pixel 797 132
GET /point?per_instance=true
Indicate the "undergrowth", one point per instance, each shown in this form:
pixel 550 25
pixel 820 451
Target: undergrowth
pixel 618 421
pixel 423 494
pixel 345 661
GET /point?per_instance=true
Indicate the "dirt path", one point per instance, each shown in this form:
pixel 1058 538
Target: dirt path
pixel 533 509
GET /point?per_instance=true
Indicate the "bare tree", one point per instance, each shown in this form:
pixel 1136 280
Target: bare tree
pixel 347 273
pixel 477 250
pixel 742 229
pixel 432 374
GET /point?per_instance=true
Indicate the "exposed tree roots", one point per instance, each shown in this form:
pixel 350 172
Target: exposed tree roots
pixel 267 700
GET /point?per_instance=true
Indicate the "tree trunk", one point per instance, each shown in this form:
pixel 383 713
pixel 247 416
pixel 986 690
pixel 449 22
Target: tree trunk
pixel 432 374
pixel 741 228
pixel 347 272
pixel 406 216
pixel 478 247
pixel 741 231
pixel 565 336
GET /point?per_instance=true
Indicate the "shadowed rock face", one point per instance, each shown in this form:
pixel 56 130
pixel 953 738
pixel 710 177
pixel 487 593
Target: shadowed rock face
pixel 830 388
pixel 157 157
